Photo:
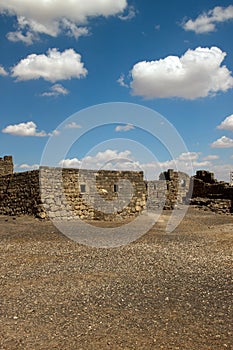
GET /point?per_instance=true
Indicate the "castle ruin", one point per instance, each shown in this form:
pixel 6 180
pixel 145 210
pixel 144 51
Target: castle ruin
pixel 105 194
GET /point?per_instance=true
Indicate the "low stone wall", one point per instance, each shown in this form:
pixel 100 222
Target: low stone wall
pixel 203 189
pixel 216 205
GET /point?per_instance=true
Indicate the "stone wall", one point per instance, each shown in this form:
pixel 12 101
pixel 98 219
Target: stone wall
pixel 98 195
pixel 157 193
pixel 107 195
pixel 215 205
pixel 218 194
pixel 205 176
pixel 19 194
pixel 172 189
pixel 178 187
pixel 6 166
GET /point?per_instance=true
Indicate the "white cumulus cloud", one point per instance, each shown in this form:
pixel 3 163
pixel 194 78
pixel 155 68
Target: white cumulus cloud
pixel 24 129
pixel 28 38
pixel 27 129
pixel 125 160
pixel 221 171
pixel 72 125
pixel 126 127
pixel 73 29
pixel 206 22
pixel 54 133
pixel 56 16
pixel 191 156
pixel 55 91
pixel 188 162
pixel 121 81
pixel 198 73
pixel 108 159
pixel 25 166
pixel 211 157
pixel 52 67
pixel 227 123
pixel 70 163
pixel 223 142
pixel 3 72
pixel 131 13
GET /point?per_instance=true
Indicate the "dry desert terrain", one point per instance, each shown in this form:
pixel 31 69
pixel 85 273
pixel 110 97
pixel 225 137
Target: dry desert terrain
pixel 163 291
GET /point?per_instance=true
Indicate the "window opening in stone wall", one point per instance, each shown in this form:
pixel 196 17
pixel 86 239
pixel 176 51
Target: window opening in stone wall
pixel 82 188
pixel 183 183
pixel 115 188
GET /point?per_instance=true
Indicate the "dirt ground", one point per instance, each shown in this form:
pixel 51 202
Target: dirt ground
pixel 163 291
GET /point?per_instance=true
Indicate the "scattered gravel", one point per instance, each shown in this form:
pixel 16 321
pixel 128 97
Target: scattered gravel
pixel 163 291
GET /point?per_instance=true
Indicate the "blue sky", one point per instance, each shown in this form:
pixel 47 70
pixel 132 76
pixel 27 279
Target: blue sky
pixel 58 58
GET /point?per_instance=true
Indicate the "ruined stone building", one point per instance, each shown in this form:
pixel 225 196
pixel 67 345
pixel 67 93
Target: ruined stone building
pixel 172 188
pixel 105 194
pixel 102 195
pixel 208 193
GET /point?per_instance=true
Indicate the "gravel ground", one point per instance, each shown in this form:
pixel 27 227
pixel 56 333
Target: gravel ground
pixel 163 291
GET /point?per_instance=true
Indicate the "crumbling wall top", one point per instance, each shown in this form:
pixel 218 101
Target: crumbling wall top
pixel 205 176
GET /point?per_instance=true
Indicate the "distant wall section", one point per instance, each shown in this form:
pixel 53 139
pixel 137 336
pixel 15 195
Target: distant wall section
pixel 210 194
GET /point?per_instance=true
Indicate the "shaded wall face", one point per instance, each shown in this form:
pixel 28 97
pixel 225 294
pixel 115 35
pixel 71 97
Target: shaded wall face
pixel 217 189
pixel 219 195
pixel 19 194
